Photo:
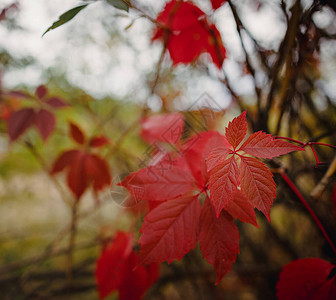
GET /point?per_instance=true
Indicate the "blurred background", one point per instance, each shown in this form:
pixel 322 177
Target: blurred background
pixel 105 66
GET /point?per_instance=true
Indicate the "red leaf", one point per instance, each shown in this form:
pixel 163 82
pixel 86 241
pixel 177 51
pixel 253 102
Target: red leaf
pixel 240 208
pixel 223 183
pixel 56 102
pixel 19 121
pixel 196 151
pixel 77 179
pixel 64 160
pixel 263 145
pixel 217 3
pixel 99 141
pixel 158 183
pixel 138 279
pixel 77 134
pixel 110 266
pixel 219 239
pixel 216 157
pixel 307 279
pixel 190 34
pixel 236 130
pixel 45 123
pixel 257 184
pixel 170 230
pixel 97 171
pixel 166 128
pixel 41 91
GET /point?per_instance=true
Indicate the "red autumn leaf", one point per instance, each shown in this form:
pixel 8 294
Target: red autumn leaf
pixel 166 128
pixel 196 151
pixel 223 183
pixel 45 123
pixel 217 3
pixel 170 230
pixel 83 169
pixel 138 279
pixel 158 183
pixel 117 270
pixel 240 208
pixel 19 121
pixel 56 102
pixel 41 91
pixel 97 172
pixel 99 141
pixel 305 279
pixel 110 266
pixel 219 239
pixel 257 184
pixel 77 134
pixel 236 130
pixel 188 33
pixel 251 176
pixel 263 145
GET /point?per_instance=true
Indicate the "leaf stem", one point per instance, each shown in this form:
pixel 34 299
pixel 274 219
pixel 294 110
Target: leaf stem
pixel 292 186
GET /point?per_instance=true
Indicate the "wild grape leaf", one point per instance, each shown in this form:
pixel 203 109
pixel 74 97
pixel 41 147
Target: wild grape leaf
pixel 66 17
pixel 83 168
pixel 99 141
pixel 158 183
pixel 189 33
pixel 263 145
pixel 307 279
pixel 223 183
pixel 217 3
pixel 166 128
pixel 169 231
pixel 45 123
pixel 254 178
pixel 117 269
pixel 138 279
pixel 41 91
pixel 77 134
pixel 236 130
pixel 19 121
pixel 110 266
pixel 240 208
pixel 257 184
pixel 219 239
pixel 196 150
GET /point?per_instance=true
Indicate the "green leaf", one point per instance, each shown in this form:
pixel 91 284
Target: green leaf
pixel 120 4
pixel 66 17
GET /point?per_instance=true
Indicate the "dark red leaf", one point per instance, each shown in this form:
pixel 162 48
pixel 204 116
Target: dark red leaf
pixel 56 102
pixel 257 184
pixel 64 160
pixel 77 134
pixel 219 239
pixel 45 123
pixel 164 128
pixel 170 230
pixel 97 171
pixel 110 266
pixel 236 130
pixel 223 183
pixel 41 91
pixel 158 183
pixel 307 279
pixel 240 208
pixel 19 121
pixel 217 3
pixel 99 141
pixel 263 145
pixel 76 178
